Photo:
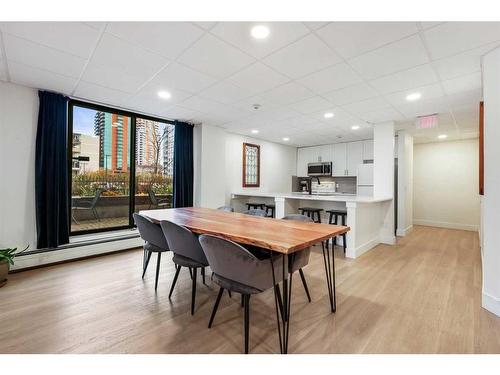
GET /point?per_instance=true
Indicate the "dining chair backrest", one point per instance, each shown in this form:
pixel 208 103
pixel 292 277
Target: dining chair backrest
pixel 183 242
pixel 234 262
pixel 297 217
pixel 226 208
pixel 152 196
pixel 150 232
pixel 255 212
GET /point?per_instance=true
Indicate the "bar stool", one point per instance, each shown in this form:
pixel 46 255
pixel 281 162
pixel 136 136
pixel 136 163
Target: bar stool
pixel 310 212
pixel 260 206
pixel 333 219
pixel 271 208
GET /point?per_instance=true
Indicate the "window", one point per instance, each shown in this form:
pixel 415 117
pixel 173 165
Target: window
pixel 251 165
pixel 114 153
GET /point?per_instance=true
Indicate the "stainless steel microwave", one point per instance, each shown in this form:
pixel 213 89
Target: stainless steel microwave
pixel 319 169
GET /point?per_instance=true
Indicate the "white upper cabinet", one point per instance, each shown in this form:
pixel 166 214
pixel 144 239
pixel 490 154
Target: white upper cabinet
pixel 368 149
pixel 339 159
pixel 325 153
pixel 354 157
pixel 302 160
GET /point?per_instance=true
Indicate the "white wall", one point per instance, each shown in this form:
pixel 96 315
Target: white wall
pixel 405 183
pixel 278 164
pixel 18 122
pixel 491 200
pixel 446 184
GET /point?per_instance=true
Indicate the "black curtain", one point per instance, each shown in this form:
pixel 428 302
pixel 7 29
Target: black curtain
pixel 51 171
pixel 183 165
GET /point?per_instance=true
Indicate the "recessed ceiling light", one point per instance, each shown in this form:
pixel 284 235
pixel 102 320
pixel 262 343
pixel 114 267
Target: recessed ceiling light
pixel 355 127
pixel 286 139
pixel 164 94
pixel 442 136
pixel 328 115
pixel 260 31
pixel 413 96
pixel 255 131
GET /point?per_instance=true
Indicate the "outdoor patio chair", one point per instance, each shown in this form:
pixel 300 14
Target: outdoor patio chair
pixel 78 205
pixel 154 201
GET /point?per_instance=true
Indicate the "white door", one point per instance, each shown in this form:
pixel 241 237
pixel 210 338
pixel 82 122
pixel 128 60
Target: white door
pixel 339 159
pixel 354 157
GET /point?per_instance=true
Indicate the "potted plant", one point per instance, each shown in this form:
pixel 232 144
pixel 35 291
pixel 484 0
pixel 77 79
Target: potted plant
pixel 6 260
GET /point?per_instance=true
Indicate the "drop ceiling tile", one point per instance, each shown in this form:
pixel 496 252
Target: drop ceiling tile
pixel 99 26
pixel 302 57
pixel 113 78
pixel 35 55
pixel 428 25
pixel 247 104
pixel 340 116
pixel 40 79
pixel 206 25
pixel 225 92
pixel 119 54
pixel 274 115
pixel 381 115
pixel 177 76
pixel 102 95
pixel 258 78
pixel 466 99
pixel 238 34
pixel 168 39
pixel 415 77
pixel 462 63
pixel 391 58
pixel 352 39
pixel 455 37
pixel 147 98
pixel 3 70
pixel 367 105
pixel 211 107
pixel 287 94
pixel 178 112
pixel 315 25
pixel 74 38
pixel 214 57
pixel 429 92
pixel 333 78
pixel 424 107
pixel 314 104
pixel 463 83
pixel 354 93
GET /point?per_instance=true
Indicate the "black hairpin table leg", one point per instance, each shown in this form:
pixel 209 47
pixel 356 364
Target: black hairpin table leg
pixel 330 272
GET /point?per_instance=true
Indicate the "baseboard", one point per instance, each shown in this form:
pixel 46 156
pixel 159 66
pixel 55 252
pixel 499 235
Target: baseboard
pixel 360 250
pixel 442 224
pixel 73 253
pixel 404 232
pixel 388 240
pixel 491 304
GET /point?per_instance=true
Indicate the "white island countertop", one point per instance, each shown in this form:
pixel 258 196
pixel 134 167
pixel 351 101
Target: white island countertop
pixel 319 197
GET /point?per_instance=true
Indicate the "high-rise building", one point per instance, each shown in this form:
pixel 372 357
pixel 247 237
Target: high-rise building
pixel 113 131
pixel 168 150
pixel 154 146
pixel 87 146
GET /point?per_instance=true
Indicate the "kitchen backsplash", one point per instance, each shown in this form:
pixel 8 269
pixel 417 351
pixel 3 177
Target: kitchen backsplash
pixel 346 184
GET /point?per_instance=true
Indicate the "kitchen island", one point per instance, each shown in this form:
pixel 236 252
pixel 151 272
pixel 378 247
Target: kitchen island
pixel 370 219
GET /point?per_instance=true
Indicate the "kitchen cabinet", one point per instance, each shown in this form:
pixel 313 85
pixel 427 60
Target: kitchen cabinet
pixel 302 160
pixel 354 157
pixel 368 149
pixel 339 159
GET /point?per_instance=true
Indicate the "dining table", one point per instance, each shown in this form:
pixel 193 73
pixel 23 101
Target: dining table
pixel 277 236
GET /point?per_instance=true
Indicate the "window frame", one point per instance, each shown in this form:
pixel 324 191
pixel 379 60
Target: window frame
pixel 133 116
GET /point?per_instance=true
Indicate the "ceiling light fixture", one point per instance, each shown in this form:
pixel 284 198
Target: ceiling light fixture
pixel 255 131
pixel 355 127
pixel 286 139
pixel 413 96
pixel 328 115
pixel 164 95
pixel 442 136
pixel 260 31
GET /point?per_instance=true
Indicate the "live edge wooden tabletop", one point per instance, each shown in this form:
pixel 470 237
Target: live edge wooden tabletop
pixel 283 236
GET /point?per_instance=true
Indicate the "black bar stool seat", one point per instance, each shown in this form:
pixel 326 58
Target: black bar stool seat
pixel 310 212
pixel 256 206
pixel 270 208
pixel 333 219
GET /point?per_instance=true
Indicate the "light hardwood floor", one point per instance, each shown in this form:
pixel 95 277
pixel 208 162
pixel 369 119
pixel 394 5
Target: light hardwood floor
pixel 421 296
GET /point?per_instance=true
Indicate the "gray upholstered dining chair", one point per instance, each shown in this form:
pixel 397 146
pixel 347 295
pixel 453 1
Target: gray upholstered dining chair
pixel 301 257
pixel 226 208
pixel 187 253
pixel 255 212
pixel 155 242
pixel 238 270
